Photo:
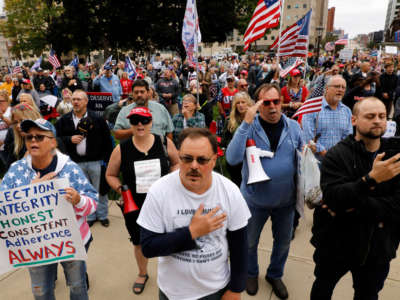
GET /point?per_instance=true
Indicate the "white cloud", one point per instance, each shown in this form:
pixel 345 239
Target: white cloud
pixel 359 16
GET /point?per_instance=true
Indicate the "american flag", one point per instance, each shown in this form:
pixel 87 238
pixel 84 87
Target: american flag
pixel 266 15
pixel 36 65
pixel 294 40
pixel 330 46
pixel 17 69
pixel 130 68
pixel 343 41
pixel 74 62
pixel 292 66
pixel 310 105
pixel 191 35
pixel 53 59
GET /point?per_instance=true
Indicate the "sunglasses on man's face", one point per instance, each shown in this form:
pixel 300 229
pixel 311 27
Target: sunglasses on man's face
pixel 269 101
pixel 37 137
pixel 135 120
pixel 187 159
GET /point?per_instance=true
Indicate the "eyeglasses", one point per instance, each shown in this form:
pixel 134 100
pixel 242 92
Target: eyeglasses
pixel 135 120
pixel 243 85
pixel 338 86
pixel 38 137
pixel 187 159
pixel 267 102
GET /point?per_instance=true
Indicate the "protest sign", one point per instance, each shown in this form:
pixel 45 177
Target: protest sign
pixel 390 129
pixel 99 101
pixel 346 54
pixel 390 49
pixel 50 100
pixel 38 226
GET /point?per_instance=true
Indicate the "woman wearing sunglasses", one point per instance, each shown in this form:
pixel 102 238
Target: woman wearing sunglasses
pixel 142 160
pixel 44 162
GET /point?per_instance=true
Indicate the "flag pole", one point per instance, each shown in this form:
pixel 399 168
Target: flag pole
pixel 308 47
pixel 280 33
pixel 196 59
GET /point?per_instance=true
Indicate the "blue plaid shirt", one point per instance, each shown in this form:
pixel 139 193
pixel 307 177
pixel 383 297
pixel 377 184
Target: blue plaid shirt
pixel 333 125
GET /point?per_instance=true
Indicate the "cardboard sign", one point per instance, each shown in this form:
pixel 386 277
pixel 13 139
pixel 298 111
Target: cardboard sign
pixel 99 101
pixel 391 49
pixel 50 100
pixel 346 54
pixel 38 226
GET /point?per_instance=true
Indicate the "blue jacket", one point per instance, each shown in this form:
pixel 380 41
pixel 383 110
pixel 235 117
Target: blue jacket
pixel 105 86
pixel 280 191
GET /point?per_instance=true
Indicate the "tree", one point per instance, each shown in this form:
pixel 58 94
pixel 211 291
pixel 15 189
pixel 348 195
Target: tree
pixel 27 24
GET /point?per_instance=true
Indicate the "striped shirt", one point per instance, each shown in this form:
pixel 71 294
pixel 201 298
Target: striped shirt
pixel 331 125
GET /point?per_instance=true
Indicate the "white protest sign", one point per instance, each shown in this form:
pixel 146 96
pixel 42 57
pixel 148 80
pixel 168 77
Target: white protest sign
pixel 50 100
pixel 391 49
pixel 346 54
pixel 38 226
pixel 147 172
pixel 390 129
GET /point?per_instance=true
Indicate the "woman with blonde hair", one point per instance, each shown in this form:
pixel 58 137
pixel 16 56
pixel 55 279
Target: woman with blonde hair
pixel 14 144
pixel 240 103
pixel 65 106
pixel 28 99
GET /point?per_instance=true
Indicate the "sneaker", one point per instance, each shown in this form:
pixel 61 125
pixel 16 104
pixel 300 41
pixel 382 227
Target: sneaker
pixel 105 222
pixel 252 285
pixel 90 223
pixel 278 287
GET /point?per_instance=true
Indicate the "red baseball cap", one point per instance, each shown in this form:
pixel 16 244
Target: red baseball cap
pixel 140 111
pixel 26 81
pixel 244 72
pixel 295 72
pixel 341 66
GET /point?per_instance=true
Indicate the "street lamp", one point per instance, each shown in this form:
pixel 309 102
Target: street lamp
pixel 320 30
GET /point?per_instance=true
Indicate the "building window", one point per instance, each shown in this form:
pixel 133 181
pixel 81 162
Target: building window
pixel 265 38
pixel 272 38
pixel 304 5
pixel 288 6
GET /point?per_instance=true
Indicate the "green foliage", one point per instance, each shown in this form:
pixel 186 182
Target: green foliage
pixel 27 24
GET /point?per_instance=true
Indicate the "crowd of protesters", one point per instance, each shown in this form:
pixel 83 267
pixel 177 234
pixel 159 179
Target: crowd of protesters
pixel 154 127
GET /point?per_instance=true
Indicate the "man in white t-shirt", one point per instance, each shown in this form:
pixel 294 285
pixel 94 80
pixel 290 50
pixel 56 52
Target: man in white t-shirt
pixel 194 219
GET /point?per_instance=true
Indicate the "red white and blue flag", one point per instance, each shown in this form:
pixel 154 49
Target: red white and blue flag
pixel 294 65
pixel 17 69
pixel 309 106
pixel 191 36
pixel 343 41
pixel 294 40
pixel 130 68
pixel 53 59
pixel 37 64
pixel 266 15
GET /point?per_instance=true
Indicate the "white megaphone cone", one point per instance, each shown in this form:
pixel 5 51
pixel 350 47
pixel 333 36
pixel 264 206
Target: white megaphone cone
pixel 253 154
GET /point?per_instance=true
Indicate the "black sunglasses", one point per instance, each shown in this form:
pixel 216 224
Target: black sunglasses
pixel 38 137
pixel 269 101
pixel 187 159
pixel 135 120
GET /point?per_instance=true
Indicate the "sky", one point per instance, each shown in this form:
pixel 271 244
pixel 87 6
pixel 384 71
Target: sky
pixel 359 16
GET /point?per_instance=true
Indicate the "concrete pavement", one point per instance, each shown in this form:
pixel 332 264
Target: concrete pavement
pixel 112 269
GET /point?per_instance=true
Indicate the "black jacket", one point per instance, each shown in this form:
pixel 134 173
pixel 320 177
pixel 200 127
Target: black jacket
pixel 356 232
pixel 74 87
pixel 98 143
pixel 388 85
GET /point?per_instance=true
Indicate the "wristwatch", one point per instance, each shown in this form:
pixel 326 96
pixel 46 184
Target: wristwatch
pixel 370 181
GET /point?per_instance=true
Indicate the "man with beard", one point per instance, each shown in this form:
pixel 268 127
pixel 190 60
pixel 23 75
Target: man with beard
pixel 332 123
pixel 162 122
pixel 357 227
pixel 272 131
pixel 70 80
pixel 195 220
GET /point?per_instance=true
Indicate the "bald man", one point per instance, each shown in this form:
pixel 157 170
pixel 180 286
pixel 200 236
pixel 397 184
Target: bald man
pixel 356 229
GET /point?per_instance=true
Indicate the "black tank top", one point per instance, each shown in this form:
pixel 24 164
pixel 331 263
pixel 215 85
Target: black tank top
pixel 130 154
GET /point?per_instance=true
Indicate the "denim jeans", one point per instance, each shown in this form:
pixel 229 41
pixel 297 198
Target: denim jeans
pixel 92 170
pixel 43 279
pixel 282 227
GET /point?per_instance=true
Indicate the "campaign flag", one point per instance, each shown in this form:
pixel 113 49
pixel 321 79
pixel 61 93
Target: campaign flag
pixel 294 40
pixel 74 62
pixel 108 60
pixel 17 69
pixel 291 67
pixel 53 59
pixel 309 106
pixel 37 64
pixel 330 46
pixel 343 41
pixel 191 35
pixel 266 15
pixel 130 68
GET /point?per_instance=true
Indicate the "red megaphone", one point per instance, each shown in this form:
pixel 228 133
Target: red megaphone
pixel 129 203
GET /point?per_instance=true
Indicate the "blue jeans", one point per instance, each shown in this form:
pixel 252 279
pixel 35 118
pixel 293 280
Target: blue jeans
pixel 43 279
pixel 282 227
pixel 92 170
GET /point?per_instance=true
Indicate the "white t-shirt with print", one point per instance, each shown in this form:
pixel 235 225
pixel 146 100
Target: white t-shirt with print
pixel 169 205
